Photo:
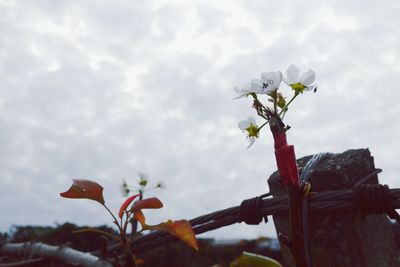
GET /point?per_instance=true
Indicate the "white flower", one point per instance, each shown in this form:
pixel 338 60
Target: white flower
pixel 268 83
pixel 249 127
pixel 242 92
pixel 256 86
pixel 271 81
pixel 298 82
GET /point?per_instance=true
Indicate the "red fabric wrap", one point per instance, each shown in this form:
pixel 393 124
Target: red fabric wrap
pixel 287 166
pixel 286 160
pixel 280 140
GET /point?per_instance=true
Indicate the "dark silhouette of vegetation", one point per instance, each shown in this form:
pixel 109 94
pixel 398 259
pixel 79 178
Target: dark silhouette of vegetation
pixel 61 235
pixel 176 254
pixel 209 254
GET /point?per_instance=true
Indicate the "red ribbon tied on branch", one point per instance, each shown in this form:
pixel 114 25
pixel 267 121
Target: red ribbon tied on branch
pixel 286 160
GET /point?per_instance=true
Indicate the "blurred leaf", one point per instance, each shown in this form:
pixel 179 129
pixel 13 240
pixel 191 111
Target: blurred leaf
pixel 143 179
pixel 139 216
pixel 143 182
pixel 160 185
pixel 85 189
pixel 281 102
pixel 148 203
pixel 126 204
pixel 139 261
pixel 181 229
pixel 253 260
pixel 124 188
pixel 89 229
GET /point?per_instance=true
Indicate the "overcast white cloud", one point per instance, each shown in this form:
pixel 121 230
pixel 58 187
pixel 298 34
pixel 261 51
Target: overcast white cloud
pixel 102 90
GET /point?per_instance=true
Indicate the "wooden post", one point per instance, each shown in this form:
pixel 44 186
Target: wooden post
pixel 342 239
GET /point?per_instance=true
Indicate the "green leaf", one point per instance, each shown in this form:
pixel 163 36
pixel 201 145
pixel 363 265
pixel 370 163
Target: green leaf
pixel 253 260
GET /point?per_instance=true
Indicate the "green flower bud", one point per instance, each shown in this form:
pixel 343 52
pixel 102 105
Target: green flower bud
pixel 280 102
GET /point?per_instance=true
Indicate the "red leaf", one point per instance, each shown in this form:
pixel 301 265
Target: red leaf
pixel 126 204
pixel 85 189
pixel 139 216
pixel 181 229
pixel 148 203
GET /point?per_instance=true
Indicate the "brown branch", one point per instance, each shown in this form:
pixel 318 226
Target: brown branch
pixel 64 254
pixel 287 167
pixel 297 245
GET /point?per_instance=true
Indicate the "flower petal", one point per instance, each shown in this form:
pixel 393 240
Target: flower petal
pixel 287 81
pixel 311 87
pixel 252 139
pixel 271 81
pixel 267 76
pixel 280 76
pixel 252 120
pixel 243 125
pixel 256 86
pixel 237 90
pixel 240 96
pixel 292 74
pixel 307 78
pixel 242 92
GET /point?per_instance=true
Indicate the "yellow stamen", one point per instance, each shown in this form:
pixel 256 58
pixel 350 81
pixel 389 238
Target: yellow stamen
pixel 298 87
pixel 253 130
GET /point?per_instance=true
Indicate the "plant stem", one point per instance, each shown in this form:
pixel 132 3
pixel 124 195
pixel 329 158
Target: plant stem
pixel 265 123
pixel 97 231
pixel 128 214
pixel 115 219
pixel 288 103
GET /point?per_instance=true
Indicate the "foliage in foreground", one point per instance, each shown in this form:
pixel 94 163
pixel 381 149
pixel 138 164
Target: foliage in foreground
pixel 130 209
pixel 173 254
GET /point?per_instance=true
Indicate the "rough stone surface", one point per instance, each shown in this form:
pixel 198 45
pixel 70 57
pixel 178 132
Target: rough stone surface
pixel 342 238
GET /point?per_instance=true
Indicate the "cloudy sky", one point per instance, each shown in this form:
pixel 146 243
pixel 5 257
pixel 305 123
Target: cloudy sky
pixel 104 89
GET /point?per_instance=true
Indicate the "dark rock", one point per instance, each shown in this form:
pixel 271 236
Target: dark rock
pixel 342 238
